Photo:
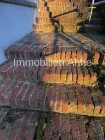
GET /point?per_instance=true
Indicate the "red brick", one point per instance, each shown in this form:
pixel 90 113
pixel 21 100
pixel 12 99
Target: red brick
pixel 59 100
pixel 65 108
pixel 74 54
pixel 58 74
pixel 93 76
pixel 96 57
pixel 86 76
pixel 16 72
pixel 59 49
pixel 4 93
pixel 64 75
pixel 42 97
pixel 40 73
pixel 91 132
pixel 46 75
pixel 102 101
pixel 27 97
pixel 53 98
pixel 73 101
pixel 34 97
pixel 3 88
pixel 88 101
pixel 22 73
pixel 79 55
pixel 74 125
pixel 63 54
pixel 80 100
pixel 14 93
pixel 5 69
pixel 70 75
pixel 49 96
pixel 21 133
pixel 56 127
pixel 80 76
pixel 65 127
pixel 47 132
pixel 52 74
pixel 15 128
pixel 82 129
pixel 20 96
pixel 68 54
pixel 96 101
pixel 74 74
pixel 36 73
pixel 48 54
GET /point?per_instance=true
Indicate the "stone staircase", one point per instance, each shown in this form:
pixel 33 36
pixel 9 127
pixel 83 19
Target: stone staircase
pixel 68 16
pixel 29 85
pixel 53 84
pixel 57 101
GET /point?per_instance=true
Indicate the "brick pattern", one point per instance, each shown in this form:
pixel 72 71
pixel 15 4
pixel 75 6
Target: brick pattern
pixel 67 16
pixel 71 54
pixel 69 74
pixel 34 47
pixel 21 2
pixel 22 127
pixel 35 125
pixel 57 98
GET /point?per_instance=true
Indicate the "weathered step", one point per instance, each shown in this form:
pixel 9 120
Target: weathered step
pixel 69 21
pixel 57 98
pixel 68 28
pixel 19 125
pixel 31 125
pixel 54 3
pixel 50 73
pixel 56 14
pixel 33 47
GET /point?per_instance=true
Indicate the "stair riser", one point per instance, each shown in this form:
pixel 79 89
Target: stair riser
pixel 60 4
pixel 69 15
pixel 70 21
pixel 49 74
pixel 62 10
pixel 73 29
pixel 61 54
pixel 52 99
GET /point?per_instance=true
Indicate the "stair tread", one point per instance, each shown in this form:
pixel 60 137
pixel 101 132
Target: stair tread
pixel 36 44
pixel 31 71
pixel 33 124
pixel 53 97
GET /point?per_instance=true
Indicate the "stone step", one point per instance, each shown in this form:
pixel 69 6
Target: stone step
pixel 69 21
pixel 47 14
pixel 63 3
pixel 53 97
pixel 31 125
pixel 40 45
pixel 49 73
pixel 68 28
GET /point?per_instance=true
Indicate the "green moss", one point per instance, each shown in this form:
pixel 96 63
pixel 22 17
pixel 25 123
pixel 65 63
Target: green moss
pixel 40 129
